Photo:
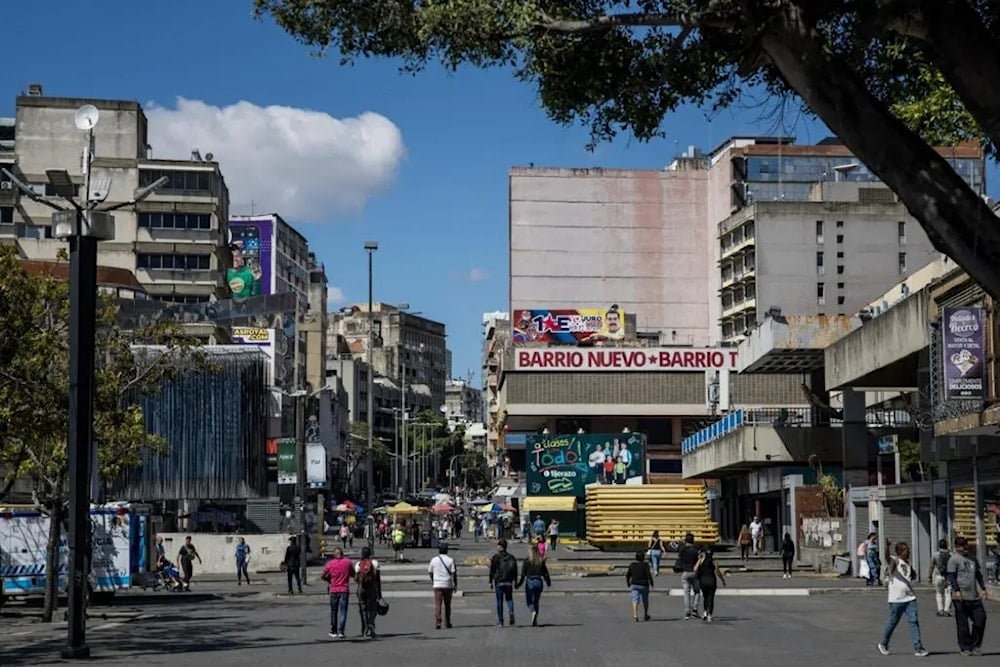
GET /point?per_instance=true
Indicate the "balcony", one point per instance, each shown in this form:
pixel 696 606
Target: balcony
pixel 739 305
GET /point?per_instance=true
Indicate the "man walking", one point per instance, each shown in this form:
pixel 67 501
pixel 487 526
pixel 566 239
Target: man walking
pixel 687 558
pixel 369 579
pixel 186 557
pixel 503 574
pixel 966 580
pixel 939 576
pixel 337 573
pixel 444 580
pixel 902 599
pixel 292 564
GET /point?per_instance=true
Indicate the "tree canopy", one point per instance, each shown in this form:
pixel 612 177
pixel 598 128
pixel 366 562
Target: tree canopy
pixel 888 77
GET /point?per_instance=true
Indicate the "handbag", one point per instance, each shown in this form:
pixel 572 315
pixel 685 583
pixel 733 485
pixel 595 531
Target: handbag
pixel 381 607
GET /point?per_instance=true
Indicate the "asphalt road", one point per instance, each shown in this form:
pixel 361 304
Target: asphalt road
pixel 261 627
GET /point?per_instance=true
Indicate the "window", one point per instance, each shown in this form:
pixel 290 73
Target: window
pixel 840 269
pixel 821 293
pixel 840 238
pixel 174 262
pixel 196 181
pixel 819 231
pixel 840 285
pixel 819 263
pixel 902 263
pixel 37 232
pixel 840 300
pixel 181 298
pixel 840 254
pixel 175 220
pixel 6 215
pixel 840 224
pixel 902 232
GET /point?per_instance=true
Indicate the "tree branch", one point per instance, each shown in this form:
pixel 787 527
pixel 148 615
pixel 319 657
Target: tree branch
pixel 628 20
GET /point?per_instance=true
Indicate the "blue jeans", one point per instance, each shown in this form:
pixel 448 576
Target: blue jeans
pixel 242 569
pixel 338 612
pixel 896 612
pixel 533 592
pixel 655 555
pixel 504 592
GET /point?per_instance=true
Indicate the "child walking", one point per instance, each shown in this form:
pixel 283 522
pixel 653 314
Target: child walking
pixel 902 599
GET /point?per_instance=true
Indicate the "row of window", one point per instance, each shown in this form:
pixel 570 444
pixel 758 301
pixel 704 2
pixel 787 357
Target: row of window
pixel 181 298
pixel 175 220
pixel 191 181
pixel 821 263
pixel 174 262
pixel 900 232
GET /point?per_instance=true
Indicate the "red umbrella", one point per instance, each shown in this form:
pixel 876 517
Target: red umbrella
pixel 442 508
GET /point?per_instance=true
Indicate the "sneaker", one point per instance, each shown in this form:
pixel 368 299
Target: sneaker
pixel 340 635
pixel 334 635
pixel 708 619
pixel 647 617
pixel 966 653
pixel 883 649
pixel 500 624
pixel 450 626
pixel 534 618
pixel 921 653
pixel 512 619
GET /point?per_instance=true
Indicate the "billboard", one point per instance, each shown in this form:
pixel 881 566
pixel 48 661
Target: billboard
pixel 251 246
pixel 564 465
pixel 964 349
pixel 288 472
pixel 647 359
pixel 586 326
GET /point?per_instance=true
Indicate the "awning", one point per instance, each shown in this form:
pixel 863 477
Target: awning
pixel 549 504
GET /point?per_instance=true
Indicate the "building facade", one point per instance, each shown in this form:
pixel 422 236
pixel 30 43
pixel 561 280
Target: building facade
pixel 175 241
pixel 464 402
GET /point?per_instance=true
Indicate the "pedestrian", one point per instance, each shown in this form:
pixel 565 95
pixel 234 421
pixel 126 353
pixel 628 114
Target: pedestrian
pixel 639 579
pixel 369 580
pixel 745 541
pixel 553 534
pixel 655 548
pixel 398 541
pixel 345 534
pixel 186 556
pixel 902 599
pixel 938 575
pixel 538 527
pixel 687 559
pixel 503 575
pixel 757 535
pixel 242 561
pixel 873 560
pixel 534 578
pixel 525 527
pixel 337 574
pixel 543 546
pixel 968 592
pixel 709 575
pixel 444 580
pixel 787 556
pixel 292 564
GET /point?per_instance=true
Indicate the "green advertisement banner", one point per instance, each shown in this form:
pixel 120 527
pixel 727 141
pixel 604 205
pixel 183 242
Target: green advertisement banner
pixel 564 465
pixel 287 470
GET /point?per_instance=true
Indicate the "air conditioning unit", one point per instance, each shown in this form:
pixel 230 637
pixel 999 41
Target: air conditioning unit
pixel 6 185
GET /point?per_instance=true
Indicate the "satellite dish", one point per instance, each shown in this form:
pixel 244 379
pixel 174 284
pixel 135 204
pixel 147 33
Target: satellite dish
pixel 86 117
pixel 209 157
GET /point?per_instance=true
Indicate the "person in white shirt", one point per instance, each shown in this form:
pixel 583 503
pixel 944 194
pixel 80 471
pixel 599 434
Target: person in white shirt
pixel 756 534
pixel 444 580
pixel 902 600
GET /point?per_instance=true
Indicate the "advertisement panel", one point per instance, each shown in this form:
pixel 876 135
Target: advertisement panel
pixel 586 326
pixel 251 244
pixel 564 465
pixel 964 350
pixel 287 470
pixel 316 465
pixel 647 359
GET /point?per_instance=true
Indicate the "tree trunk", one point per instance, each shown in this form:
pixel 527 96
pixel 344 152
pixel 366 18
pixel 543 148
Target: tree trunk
pixel 53 561
pixel 968 56
pixel 957 221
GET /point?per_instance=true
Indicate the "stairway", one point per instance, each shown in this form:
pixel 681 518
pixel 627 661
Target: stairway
pixel 625 516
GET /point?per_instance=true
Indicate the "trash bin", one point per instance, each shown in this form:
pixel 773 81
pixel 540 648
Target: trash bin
pixel 842 565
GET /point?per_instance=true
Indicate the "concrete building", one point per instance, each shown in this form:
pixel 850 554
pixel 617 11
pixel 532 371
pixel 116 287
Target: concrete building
pixel 464 402
pixel 409 349
pixel 496 340
pixel 315 325
pixel 176 240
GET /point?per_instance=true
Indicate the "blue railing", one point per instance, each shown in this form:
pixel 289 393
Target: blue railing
pixel 731 422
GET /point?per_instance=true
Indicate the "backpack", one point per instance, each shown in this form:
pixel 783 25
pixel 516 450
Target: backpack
pixel 863 549
pixel 366 573
pixel 941 561
pixel 506 569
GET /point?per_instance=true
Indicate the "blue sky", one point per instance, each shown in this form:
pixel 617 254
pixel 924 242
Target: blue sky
pixel 441 221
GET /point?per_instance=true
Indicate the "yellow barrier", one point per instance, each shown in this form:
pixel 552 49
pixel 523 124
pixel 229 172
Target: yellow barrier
pixel 627 515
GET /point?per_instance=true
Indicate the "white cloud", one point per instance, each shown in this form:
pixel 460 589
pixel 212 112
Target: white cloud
pixel 334 297
pixel 478 275
pixel 305 165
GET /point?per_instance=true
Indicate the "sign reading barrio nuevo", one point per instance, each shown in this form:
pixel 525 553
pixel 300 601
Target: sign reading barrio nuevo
pixel 649 359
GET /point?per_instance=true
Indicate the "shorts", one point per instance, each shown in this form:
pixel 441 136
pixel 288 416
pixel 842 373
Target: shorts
pixel 639 593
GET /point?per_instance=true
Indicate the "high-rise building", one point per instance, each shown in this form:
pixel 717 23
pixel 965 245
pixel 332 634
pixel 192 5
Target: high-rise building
pixel 175 241
pixel 464 402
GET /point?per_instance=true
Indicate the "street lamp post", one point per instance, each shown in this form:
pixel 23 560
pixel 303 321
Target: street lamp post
pixel 370 248
pixel 83 226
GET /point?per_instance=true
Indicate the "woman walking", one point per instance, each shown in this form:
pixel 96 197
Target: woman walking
pixel 787 556
pixel 533 574
pixel 655 548
pixel 242 561
pixel 902 599
pixel 639 580
pixel 709 575
pixel 745 541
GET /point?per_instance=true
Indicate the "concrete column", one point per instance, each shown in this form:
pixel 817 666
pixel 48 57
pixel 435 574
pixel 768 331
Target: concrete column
pixel 927 450
pixel 855 445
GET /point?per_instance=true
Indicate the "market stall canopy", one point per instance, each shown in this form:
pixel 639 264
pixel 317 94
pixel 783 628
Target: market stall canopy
pixel 442 508
pixel 346 506
pixel 403 509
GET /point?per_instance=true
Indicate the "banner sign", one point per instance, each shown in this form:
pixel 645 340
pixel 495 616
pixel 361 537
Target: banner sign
pixel 251 246
pixel 287 469
pixel 316 465
pixel 261 311
pixel 964 350
pixel 563 465
pixel 587 326
pixel 649 359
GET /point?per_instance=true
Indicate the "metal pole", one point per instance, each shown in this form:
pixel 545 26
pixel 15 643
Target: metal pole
pixel 406 461
pixel 300 445
pixel 396 448
pixel 82 330
pixel 371 387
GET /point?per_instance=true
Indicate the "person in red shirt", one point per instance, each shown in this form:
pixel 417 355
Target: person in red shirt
pixel 337 573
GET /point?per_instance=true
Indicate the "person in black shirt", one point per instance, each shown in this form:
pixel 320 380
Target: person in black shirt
pixel 186 557
pixel 292 564
pixel 533 573
pixel 709 575
pixel 639 580
pixel 687 559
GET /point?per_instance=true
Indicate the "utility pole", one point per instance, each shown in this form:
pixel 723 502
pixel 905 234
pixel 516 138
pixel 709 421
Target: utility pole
pixel 371 247
pixel 300 443
pixel 406 461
